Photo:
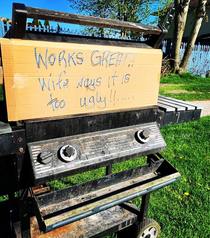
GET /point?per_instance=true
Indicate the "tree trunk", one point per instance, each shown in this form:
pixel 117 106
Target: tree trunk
pixel 200 13
pixel 181 10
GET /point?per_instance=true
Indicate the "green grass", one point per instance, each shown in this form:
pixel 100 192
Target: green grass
pixel 3 198
pixel 180 214
pixel 197 88
pixel 97 173
pixel 182 209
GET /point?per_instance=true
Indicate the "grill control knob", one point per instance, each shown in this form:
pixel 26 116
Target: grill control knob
pixel 68 153
pixel 143 135
pixel 45 157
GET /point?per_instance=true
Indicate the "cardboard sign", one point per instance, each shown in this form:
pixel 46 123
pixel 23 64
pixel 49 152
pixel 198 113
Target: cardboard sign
pixel 46 79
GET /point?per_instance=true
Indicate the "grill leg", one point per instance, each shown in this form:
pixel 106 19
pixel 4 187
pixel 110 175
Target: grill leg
pixel 144 207
pixel 145 199
pixel 133 230
pixel 24 214
pixel 7 221
pixel 108 169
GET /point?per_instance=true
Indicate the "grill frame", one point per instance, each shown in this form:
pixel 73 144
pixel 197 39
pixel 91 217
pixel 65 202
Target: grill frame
pixel 56 128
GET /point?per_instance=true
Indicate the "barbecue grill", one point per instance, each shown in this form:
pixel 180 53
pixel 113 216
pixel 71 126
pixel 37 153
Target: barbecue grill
pixel 39 146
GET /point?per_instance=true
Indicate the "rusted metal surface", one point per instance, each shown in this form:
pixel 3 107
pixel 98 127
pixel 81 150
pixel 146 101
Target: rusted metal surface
pixel 70 231
pixel 40 189
pixel 98 225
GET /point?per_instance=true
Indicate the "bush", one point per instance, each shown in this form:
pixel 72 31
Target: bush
pixel 166 68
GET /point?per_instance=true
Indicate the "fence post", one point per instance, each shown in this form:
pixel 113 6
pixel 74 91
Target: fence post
pixel 2 33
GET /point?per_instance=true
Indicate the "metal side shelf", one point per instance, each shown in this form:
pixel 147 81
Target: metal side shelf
pixel 174 111
pixel 82 203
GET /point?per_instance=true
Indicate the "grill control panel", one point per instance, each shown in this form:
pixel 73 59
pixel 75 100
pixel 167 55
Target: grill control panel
pixel 56 158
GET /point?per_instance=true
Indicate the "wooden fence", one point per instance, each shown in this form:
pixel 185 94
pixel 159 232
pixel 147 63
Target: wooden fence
pixel 5 26
pixel 199 63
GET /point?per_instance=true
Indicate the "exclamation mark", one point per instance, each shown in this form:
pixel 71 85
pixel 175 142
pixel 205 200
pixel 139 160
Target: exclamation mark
pixel 114 97
pixel 130 61
pixel 111 96
pixel 133 60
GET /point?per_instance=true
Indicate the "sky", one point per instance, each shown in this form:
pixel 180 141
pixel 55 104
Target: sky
pixel 58 5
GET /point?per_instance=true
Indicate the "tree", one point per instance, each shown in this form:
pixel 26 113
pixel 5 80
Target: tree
pixel 46 23
pixel 200 14
pixel 124 10
pixel 181 11
pixel 164 9
pixel 36 22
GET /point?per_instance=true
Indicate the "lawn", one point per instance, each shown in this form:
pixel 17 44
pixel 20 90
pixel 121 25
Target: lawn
pixel 185 87
pixel 182 209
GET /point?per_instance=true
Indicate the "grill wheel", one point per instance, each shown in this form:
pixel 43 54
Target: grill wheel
pixel 149 229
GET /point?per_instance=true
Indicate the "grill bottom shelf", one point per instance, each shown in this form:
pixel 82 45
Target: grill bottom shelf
pixel 67 206
pixel 97 225
pixel 91 203
pixel 99 207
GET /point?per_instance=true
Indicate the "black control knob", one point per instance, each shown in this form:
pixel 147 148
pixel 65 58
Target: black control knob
pixel 68 153
pixel 143 135
pixel 45 157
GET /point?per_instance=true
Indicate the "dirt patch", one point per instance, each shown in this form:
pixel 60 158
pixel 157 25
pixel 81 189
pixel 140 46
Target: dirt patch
pixel 180 91
pixel 206 107
pixel 168 84
pixel 176 90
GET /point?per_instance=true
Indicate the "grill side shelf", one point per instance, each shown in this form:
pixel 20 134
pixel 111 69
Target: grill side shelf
pixel 174 111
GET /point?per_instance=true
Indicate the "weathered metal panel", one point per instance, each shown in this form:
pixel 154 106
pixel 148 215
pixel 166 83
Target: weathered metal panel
pixel 69 126
pixel 93 150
